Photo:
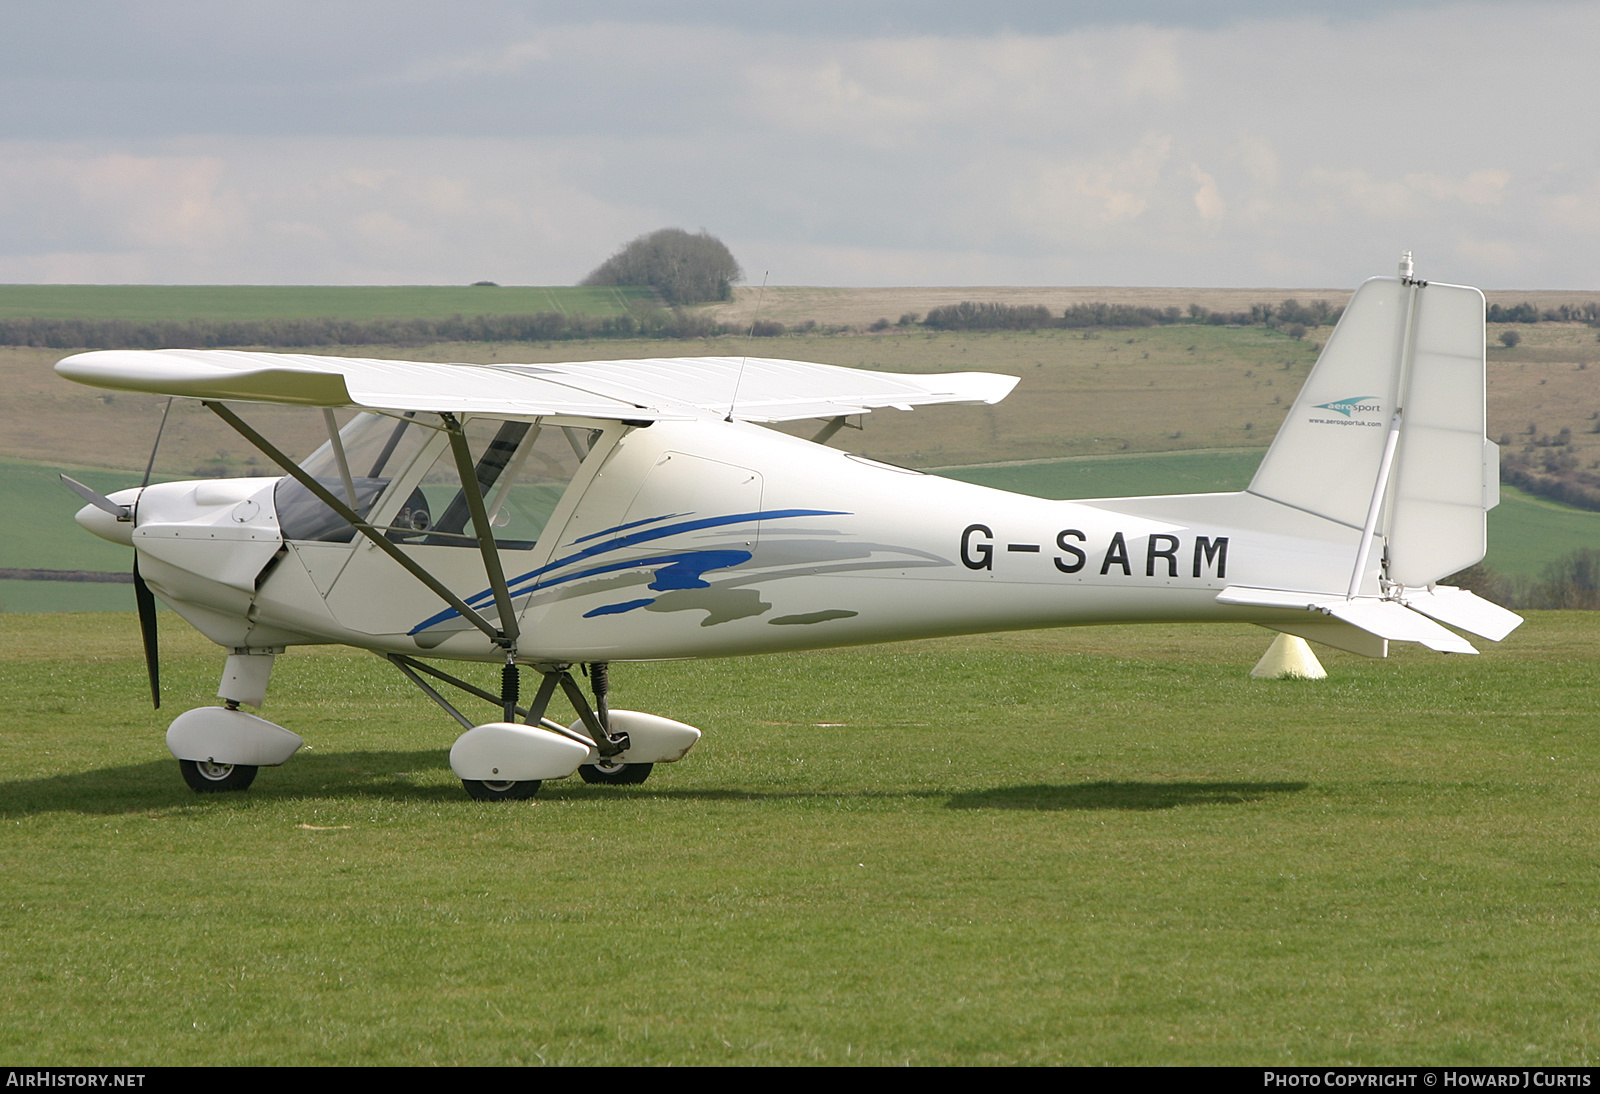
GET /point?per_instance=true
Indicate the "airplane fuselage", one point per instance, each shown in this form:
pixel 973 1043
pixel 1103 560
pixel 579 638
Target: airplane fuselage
pixel 707 538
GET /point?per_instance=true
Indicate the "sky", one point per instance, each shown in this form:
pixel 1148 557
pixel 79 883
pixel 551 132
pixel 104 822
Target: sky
pixel 1299 143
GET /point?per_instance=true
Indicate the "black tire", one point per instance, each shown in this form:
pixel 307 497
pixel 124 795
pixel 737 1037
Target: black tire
pixel 485 791
pixel 205 777
pixel 615 774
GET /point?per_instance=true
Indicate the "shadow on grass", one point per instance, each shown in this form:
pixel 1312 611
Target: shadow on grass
pixel 134 788
pixel 424 776
pixel 1120 795
pixel 415 776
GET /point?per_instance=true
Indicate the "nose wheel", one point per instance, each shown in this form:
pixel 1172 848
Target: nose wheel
pixel 205 777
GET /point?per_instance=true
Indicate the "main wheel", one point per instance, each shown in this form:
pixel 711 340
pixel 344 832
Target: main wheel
pixel 615 774
pixel 485 790
pixel 205 777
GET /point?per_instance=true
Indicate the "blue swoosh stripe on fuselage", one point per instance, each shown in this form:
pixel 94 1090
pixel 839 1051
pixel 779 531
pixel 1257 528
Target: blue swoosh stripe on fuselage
pixel 621 527
pixel 683 564
pixel 487 595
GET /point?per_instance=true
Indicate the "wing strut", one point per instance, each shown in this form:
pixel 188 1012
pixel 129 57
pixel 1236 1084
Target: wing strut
pixel 480 524
pixel 350 517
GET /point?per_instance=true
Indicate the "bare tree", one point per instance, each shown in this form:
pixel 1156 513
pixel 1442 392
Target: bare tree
pixel 683 268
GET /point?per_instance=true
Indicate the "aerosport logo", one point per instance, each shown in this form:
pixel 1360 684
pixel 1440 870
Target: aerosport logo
pixel 1359 404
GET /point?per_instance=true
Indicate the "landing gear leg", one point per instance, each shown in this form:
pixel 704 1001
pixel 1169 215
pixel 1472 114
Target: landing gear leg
pixel 609 770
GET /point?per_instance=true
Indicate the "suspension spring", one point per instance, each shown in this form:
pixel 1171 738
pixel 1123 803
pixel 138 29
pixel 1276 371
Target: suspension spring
pixel 600 679
pixel 510 685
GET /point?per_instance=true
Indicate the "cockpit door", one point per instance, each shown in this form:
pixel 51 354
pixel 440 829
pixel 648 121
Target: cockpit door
pixel 523 470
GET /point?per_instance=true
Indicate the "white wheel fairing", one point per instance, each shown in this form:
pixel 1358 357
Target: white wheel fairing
pixel 506 752
pixel 652 739
pixel 221 736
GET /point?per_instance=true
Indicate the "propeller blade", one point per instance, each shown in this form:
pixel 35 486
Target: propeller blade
pixel 96 499
pixel 147 627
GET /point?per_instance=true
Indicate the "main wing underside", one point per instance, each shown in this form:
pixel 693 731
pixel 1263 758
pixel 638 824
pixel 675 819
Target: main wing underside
pixel 754 389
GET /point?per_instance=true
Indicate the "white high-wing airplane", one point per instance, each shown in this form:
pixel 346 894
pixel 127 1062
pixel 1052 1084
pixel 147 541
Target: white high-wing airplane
pixel 556 516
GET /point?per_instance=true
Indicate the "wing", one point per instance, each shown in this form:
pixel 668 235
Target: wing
pixel 755 389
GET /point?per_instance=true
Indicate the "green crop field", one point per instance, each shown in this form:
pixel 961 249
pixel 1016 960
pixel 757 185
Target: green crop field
pixel 39 533
pixel 1200 472
pixel 1527 533
pixel 232 303
pixel 1107 846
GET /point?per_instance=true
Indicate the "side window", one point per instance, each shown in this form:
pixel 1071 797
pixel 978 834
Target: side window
pixel 377 448
pixel 522 470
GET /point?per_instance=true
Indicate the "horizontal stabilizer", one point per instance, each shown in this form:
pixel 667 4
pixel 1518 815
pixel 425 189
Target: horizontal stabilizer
pixel 1464 610
pixel 1316 627
pixel 1390 620
pixel 1386 619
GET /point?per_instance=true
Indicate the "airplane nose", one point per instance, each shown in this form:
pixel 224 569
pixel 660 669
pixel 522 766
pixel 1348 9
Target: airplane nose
pixel 106 526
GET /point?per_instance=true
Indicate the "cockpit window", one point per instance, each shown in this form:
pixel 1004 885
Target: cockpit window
pixel 376 448
pixel 522 469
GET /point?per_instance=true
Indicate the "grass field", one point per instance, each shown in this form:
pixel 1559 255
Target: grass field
pixel 1154 390
pixel 1099 846
pixel 1120 476
pixel 226 303
pixel 1158 390
pixel 40 533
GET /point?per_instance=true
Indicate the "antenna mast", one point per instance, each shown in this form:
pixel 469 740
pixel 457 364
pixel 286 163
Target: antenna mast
pixel 753 320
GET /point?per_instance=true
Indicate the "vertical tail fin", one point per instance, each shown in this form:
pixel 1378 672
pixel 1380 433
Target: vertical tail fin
pixel 1406 355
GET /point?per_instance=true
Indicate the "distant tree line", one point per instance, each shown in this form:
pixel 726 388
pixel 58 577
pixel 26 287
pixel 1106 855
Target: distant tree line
pixel 1528 312
pixel 1548 468
pixel 1290 316
pixel 970 315
pixel 307 333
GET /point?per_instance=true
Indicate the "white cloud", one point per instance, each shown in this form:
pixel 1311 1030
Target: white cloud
pixel 1207 198
pixel 309 211
pixel 1574 210
pixel 1292 149
pixel 1502 258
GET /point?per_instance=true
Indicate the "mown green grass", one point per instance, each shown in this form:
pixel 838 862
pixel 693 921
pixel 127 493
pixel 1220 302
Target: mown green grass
pixel 1099 846
pixel 228 303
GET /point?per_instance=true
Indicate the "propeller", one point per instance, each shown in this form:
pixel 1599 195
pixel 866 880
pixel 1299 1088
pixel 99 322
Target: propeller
pixel 146 600
pixel 97 499
pixel 143 598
